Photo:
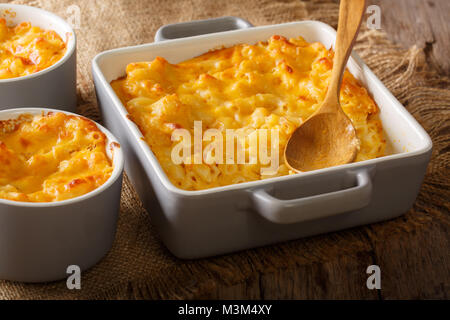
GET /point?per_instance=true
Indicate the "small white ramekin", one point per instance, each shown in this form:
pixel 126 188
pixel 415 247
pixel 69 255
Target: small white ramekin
pixel 53 87
pixel 38 241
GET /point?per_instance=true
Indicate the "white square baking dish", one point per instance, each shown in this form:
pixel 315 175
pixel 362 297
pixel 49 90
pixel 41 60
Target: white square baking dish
pixel 196 224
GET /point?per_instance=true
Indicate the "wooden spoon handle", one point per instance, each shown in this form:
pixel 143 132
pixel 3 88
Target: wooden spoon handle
pixel 351 13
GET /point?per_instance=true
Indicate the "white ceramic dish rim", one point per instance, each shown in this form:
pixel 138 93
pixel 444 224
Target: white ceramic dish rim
pixel 151 158
pixel 115 155
pixel 71 43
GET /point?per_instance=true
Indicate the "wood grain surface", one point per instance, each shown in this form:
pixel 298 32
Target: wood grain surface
pixel 424 23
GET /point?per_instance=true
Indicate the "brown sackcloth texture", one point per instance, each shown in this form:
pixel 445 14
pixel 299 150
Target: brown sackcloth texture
pixel 138 265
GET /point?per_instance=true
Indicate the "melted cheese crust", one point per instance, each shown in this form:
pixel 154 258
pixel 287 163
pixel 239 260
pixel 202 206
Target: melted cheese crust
pixel 276 84
pixel 25 49
pixel 51 158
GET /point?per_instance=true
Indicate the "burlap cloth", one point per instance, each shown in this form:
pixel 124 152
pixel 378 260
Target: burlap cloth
pixel 139 266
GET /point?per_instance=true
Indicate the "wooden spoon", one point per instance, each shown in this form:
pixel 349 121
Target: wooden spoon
pixel 327 138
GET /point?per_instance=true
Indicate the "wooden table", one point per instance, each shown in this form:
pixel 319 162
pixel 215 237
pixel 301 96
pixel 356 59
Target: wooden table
pixel 424 23
pixel 415 264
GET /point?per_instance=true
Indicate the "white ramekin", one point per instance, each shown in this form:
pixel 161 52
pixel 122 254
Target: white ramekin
pixel 38 241
pixel 53 87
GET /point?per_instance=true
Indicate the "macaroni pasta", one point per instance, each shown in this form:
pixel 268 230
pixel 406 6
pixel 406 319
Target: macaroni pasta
pixel 276 85
pixel 51 157
pixel 25 49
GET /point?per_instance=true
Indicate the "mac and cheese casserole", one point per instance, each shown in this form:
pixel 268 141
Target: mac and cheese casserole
pixel 274 85
pixel 25 49
pixel 51 157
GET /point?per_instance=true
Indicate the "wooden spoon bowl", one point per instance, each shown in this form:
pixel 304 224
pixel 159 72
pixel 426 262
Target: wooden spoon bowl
pixel 335 144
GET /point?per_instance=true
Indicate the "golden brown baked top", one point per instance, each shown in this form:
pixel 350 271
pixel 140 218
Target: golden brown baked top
pixel 25 49
pixel 51 157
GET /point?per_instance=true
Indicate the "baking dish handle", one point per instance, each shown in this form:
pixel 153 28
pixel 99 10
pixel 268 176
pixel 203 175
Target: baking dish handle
pixel 314 207
pixel 199 27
